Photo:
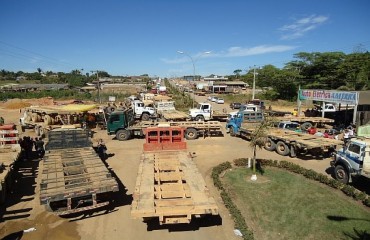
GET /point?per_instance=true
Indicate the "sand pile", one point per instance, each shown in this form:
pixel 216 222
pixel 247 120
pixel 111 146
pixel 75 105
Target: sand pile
pixel 17 103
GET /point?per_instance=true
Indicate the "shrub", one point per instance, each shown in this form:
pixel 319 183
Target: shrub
pixel 359 196
pixel 241 162
pixel 349 190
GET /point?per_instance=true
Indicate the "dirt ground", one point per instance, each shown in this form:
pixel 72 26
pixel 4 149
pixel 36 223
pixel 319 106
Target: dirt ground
pixel 23 209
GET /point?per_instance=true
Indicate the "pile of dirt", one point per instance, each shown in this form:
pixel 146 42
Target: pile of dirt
pixel 17 103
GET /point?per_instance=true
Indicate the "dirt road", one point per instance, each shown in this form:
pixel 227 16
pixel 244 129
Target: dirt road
pixel 24 211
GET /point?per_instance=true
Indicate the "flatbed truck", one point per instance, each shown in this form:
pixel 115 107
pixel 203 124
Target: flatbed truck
pixel 168 185
pixel 45 118
pixel 122 124
pixel 73 177
pixel 284 142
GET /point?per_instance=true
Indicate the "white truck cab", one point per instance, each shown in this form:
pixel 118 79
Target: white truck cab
pixel 353 160
pixel 203 112
pixel 141 111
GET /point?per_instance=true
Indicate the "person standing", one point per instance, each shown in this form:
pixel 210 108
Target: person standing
pixel 2 121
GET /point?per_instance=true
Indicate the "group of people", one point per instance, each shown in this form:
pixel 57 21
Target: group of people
pixel 27 144
pixel 348 133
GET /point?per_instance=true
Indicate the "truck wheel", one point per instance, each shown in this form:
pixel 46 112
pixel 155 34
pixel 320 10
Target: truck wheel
pixel 341 174
pixel 305 126
pixel 282 148
pixel 270 145
pixel 37 130
pixel 232 132
pixel 191 134
pixel 47 120
pixel 123 135
pixel 145 117
pixel 199 118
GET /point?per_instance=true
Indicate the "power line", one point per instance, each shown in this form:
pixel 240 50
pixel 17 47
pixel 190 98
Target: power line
pixel 39 57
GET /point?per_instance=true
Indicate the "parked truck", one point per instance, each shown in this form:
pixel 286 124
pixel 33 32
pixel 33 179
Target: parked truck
pixel 353 160
pixel 204 112
pixel 166 111
pixel 283 141
pixel 9 154
pixel 45 118
pixel 168 185
pixel 73 177
pixel 122 124
pixel 306 122
pixel 141 111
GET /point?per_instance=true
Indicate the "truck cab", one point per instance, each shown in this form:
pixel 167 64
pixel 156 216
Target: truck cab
pixel 249 107
pixel 243 117
pixel 293 126
pixel 141 111
pixel 118 122
pixel 353 160
pixel 203 112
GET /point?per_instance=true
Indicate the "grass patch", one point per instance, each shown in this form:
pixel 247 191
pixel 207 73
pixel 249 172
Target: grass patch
pixel 289 206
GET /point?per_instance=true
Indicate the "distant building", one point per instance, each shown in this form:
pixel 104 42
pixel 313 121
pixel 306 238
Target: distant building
pixel 33 87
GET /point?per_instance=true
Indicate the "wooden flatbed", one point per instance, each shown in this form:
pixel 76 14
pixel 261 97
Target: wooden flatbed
pixel 169 185
pixel 193 128
pixel 73 177
pixel 287 142
pixel 9 154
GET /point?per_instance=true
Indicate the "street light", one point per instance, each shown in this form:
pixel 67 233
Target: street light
pixel 254 80
pixel 193 62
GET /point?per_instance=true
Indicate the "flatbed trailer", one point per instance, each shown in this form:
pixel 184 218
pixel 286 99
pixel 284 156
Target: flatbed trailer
pixel 306 122
pixel 166 110
pixel 193 129
pixel 9 154
pixel 169 185
pixel 287 142
pixel 73 178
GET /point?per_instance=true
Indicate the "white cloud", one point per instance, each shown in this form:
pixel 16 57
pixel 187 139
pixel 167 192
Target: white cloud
pixel 257 50
pixel 302 26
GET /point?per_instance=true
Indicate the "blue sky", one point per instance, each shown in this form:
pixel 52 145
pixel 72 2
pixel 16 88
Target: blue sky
pixel 143 37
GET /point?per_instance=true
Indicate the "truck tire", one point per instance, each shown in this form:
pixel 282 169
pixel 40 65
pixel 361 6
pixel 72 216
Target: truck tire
pixel 341 174
pixel 123 135
pixel 37 130
pixel 293 151
pixel 282 148
pixel 232 131
pixel 145 117
pixel 270 145
pixel 191 134
pixel 199 118
pixel 305 126
pixel 47 120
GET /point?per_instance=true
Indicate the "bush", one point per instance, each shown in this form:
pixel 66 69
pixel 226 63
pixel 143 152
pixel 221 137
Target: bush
pixel 349 190
pixel 241 162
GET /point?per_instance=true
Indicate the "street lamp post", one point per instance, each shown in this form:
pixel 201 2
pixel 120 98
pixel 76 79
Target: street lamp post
pixel 254 82
pixel 193 62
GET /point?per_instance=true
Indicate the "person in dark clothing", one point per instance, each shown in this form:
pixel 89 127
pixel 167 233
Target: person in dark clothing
pixel 102 149
pixel 39 147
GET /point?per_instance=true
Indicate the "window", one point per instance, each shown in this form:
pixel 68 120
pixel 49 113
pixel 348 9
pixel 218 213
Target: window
pixel 114 118
pixel 354 148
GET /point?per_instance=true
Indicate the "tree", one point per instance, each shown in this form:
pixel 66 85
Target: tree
pixel 39 70
pixel 258 139
pixel 237 72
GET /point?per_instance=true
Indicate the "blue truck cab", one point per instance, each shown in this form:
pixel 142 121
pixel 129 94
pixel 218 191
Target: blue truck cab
pixel 233 126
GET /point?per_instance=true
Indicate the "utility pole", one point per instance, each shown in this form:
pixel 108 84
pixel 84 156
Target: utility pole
pixel 254 81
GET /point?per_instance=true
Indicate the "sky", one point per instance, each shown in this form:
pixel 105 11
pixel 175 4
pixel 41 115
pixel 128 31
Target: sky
pixel 135 37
